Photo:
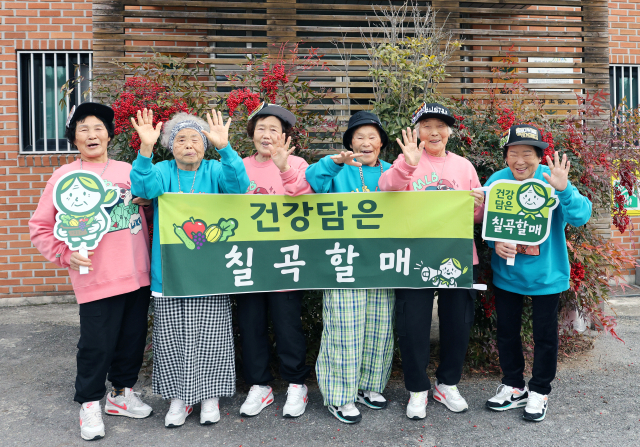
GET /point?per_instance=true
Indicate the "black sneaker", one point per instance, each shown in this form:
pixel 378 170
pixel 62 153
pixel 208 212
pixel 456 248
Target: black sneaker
pixel 348 413
pixel 371 399
pixel 536 408
pixel 508 397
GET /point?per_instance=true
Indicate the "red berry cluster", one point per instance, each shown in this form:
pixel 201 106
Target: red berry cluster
pixel 242 96
pixel 139 93
pixel 577 275
pixel 272 76
pixel 619 215
pixel 547 138
pixel 507 118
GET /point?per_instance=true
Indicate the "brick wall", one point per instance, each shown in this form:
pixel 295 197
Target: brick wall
pixel 624 39
pixel 32 25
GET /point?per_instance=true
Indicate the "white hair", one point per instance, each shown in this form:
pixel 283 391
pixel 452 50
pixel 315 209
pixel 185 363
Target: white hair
pixel 177 119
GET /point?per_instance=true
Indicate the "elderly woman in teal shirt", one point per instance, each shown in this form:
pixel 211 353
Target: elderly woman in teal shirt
pixel 192 337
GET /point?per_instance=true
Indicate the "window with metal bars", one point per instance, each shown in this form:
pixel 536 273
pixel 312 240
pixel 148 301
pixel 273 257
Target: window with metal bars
pixel 624 84
pixel 40 78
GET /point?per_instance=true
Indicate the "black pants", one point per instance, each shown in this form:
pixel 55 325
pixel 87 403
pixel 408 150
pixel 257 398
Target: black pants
pixel 285 308
pixel 113 332
pixel 414 307
pixel 545 338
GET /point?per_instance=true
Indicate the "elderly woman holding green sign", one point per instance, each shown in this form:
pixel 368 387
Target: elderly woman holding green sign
pixel 192 338
pixel 113 295
pixel 540 272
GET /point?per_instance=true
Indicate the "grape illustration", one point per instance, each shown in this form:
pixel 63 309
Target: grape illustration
pixel 199 239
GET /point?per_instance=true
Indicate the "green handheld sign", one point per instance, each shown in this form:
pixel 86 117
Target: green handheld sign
pixel 81 199
pixel 519 212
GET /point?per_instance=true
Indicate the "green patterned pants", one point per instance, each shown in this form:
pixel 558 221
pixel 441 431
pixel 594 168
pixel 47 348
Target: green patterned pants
pixel 357 343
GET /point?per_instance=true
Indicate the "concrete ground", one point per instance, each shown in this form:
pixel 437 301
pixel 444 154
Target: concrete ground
pixel 593 402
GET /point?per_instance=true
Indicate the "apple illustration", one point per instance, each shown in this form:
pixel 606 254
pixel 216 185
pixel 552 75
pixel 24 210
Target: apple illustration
pixel 191 227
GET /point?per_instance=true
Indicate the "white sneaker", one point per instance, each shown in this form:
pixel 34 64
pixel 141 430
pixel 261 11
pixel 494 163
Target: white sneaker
pixel 450 397
pixel 128 405
pixel 297 398
pixel 417 406
pixel 371 399
pixel 177 414
pixel 258 398
pixel 209 411
pixel 536 408
pixel 348 413
pixel 508 397
pixel 91 425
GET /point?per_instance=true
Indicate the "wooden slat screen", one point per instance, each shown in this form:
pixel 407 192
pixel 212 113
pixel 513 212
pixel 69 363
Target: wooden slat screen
pixel 562 43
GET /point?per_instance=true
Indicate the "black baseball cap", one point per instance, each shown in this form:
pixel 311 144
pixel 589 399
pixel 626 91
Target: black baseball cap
pixel 523 134
pixel 363 118
pixel 433 110
pixel 266 109
pixel 90 109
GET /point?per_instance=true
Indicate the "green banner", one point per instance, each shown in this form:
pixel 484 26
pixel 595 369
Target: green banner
pixel 224 243
pixel 519 212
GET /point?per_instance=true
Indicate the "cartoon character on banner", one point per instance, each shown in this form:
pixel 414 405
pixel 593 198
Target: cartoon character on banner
pixel 526 222
pixel 81 199
pixel 446 275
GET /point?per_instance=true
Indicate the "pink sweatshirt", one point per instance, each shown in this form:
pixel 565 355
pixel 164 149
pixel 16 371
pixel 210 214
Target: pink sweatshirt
pixel 434 173
pixel 121 260
pixel 266 178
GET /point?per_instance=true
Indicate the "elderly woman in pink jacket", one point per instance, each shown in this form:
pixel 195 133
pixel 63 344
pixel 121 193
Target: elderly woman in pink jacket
pixel 425 167
pixel 114 295
pixel 272 169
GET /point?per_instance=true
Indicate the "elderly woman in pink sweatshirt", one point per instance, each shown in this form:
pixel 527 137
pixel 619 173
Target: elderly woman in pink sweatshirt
pixel 425 167
pixel 114 295
pixel 272 169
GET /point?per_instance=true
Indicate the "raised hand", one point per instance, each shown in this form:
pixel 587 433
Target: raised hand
pixel 218 134
pixel 409 146
pixel 148 134
pixel 280 152
pixel 346 157
pixel 559 172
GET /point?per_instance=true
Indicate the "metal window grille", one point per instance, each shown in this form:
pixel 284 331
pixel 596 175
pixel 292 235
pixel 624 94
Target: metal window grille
pixel 40 77
pixel 624 83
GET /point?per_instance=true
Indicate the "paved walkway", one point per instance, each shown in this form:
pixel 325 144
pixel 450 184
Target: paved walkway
pixel 594 401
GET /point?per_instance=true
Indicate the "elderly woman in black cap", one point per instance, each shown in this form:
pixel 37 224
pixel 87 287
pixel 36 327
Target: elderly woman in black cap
pixel 356 351
pixel 114 296
pixel 272 169
pixel 424 167
pixel 193 351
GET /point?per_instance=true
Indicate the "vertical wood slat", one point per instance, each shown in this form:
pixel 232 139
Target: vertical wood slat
pixel 596 19
pixel 108 11
pixel 487 26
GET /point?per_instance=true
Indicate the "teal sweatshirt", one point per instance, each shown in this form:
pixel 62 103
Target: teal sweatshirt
pixel 227 176
pixel 548 273
pixel 326 176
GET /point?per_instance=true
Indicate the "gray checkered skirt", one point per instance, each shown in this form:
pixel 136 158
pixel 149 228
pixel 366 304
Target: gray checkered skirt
pixel 193 352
